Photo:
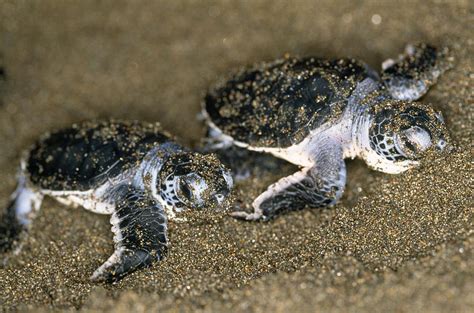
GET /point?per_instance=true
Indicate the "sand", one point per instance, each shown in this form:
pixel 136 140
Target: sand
pixel 395 243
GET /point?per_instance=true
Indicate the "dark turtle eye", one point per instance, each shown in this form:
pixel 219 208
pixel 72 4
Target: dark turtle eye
pixel 186 190
pixel 414 141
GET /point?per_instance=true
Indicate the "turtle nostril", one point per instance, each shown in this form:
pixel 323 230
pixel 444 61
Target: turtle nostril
pixel 219 198
pixel 443 146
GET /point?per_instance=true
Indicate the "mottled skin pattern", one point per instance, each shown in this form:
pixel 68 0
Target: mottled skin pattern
pixel 116 168
pixel 314 113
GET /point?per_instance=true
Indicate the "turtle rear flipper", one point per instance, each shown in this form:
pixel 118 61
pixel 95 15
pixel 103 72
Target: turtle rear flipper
pixel 10 229
pixel 140 228
pixel 22 208
pixel 410 77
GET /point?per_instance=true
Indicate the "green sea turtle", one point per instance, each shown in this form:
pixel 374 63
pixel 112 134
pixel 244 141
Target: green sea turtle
pixel 315 113
pixel 131 170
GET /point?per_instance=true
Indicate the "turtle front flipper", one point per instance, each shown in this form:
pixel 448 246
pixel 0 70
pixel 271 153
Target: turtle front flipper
pixel 140 228
pixel 410 77
pixel 318 186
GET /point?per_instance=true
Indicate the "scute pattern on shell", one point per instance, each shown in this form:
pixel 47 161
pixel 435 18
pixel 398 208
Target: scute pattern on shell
pixel 87 154
pixel 277 104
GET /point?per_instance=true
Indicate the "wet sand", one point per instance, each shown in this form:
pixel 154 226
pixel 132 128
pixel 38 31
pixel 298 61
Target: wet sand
pixel 394 243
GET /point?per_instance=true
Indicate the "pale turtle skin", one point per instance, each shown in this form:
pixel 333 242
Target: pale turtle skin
pixel 315 113
pixel 132 171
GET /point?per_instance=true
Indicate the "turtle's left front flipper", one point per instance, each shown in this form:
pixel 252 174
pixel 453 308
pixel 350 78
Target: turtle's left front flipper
pixel 410 77
pixel 140 228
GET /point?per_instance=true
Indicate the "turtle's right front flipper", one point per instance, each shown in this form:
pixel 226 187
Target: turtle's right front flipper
pixel 140 228
pixel 410 77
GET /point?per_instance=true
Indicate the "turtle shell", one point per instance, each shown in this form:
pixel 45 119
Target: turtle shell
pixel 277 104
pixel 84 156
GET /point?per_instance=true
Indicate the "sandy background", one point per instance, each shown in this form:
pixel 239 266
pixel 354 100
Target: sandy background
pixel 394 244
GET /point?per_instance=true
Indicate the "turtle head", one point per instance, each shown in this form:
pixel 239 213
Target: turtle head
pixel 195 180
pixel 400 133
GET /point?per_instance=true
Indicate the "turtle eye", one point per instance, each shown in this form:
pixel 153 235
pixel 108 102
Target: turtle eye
pixel 414 141
pixel 185 190
pixel 193 187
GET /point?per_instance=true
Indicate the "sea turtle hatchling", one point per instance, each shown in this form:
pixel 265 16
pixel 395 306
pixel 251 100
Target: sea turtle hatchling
pixel 315 113
pixel 131 170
